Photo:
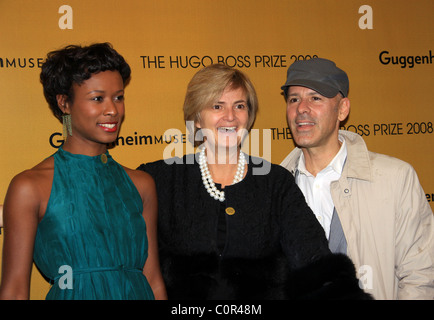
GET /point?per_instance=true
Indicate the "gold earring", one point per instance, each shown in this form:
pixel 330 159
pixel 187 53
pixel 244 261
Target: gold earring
pixel 67 129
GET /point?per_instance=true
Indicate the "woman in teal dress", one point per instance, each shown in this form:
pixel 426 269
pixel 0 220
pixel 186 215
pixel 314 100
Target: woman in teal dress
pixel 87 222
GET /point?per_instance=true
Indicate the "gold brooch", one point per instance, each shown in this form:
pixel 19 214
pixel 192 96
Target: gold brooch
pixel 230 211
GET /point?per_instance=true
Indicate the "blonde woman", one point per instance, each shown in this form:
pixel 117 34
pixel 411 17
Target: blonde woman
pixel 227 231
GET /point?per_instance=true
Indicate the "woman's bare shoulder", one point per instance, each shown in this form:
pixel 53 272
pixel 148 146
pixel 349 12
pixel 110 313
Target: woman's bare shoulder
pixel 139 174
pixel 142 180
pixel 31 180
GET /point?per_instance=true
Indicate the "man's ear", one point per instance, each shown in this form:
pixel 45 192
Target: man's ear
pixel 344 109
pixel 62 103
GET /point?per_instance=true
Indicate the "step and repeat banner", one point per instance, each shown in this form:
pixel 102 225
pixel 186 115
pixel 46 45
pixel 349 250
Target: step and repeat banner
pixel 386 47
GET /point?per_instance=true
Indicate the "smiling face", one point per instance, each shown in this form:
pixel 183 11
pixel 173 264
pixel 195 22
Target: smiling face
pixel 224 123
pixel 314 119
pixel 97 108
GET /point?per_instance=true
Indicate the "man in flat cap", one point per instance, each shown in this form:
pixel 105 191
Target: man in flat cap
pixel 371 206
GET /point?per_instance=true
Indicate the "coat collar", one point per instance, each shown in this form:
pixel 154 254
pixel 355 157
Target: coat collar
pixel 358 164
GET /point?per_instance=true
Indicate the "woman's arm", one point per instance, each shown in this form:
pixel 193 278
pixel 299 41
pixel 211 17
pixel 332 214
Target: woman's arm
pixel 21 210
pixel 146 187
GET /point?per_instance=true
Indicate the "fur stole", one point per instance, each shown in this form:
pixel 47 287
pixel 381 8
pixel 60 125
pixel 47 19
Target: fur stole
pixel 208 277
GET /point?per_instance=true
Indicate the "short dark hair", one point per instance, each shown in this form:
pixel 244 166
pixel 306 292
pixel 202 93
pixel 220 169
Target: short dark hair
pixel 75 64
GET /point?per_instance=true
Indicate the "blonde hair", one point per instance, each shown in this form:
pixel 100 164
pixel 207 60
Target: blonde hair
pixel 207 86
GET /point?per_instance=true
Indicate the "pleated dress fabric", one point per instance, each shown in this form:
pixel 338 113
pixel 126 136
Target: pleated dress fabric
pixel 91 243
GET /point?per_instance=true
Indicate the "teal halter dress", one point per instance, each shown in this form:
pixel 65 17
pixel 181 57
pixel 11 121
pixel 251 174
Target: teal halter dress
pixel 92 243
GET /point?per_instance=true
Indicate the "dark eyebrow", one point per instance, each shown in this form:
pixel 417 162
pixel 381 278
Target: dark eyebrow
pixel 102 91
pixel 95 91
pixel 293 94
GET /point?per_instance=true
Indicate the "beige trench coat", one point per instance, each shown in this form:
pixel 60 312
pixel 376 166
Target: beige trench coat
pixel 387 222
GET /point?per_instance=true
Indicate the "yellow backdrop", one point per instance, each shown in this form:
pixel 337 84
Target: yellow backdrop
pixel 385 46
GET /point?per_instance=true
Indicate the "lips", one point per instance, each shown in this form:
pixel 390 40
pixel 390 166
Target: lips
pixel 301 124
pixel 109 126
pixel 304 123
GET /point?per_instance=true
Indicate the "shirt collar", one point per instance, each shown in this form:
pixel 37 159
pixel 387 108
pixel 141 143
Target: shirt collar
pixel 337 164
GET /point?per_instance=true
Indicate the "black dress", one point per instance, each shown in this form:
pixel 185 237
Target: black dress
pixel 264 250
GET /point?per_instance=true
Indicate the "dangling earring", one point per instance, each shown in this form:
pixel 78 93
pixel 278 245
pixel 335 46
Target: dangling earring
pixel 67 129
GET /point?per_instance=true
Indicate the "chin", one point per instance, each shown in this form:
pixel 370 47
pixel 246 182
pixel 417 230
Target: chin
pixel 110 140
pixel 228 147
pixel 303 140
pixel 220 145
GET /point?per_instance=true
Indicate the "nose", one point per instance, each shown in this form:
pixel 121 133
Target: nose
pixel 303 106
pixel 111 109
pixel 229 114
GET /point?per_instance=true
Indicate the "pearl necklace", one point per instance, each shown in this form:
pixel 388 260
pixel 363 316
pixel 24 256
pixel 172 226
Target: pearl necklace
pixel 208 181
